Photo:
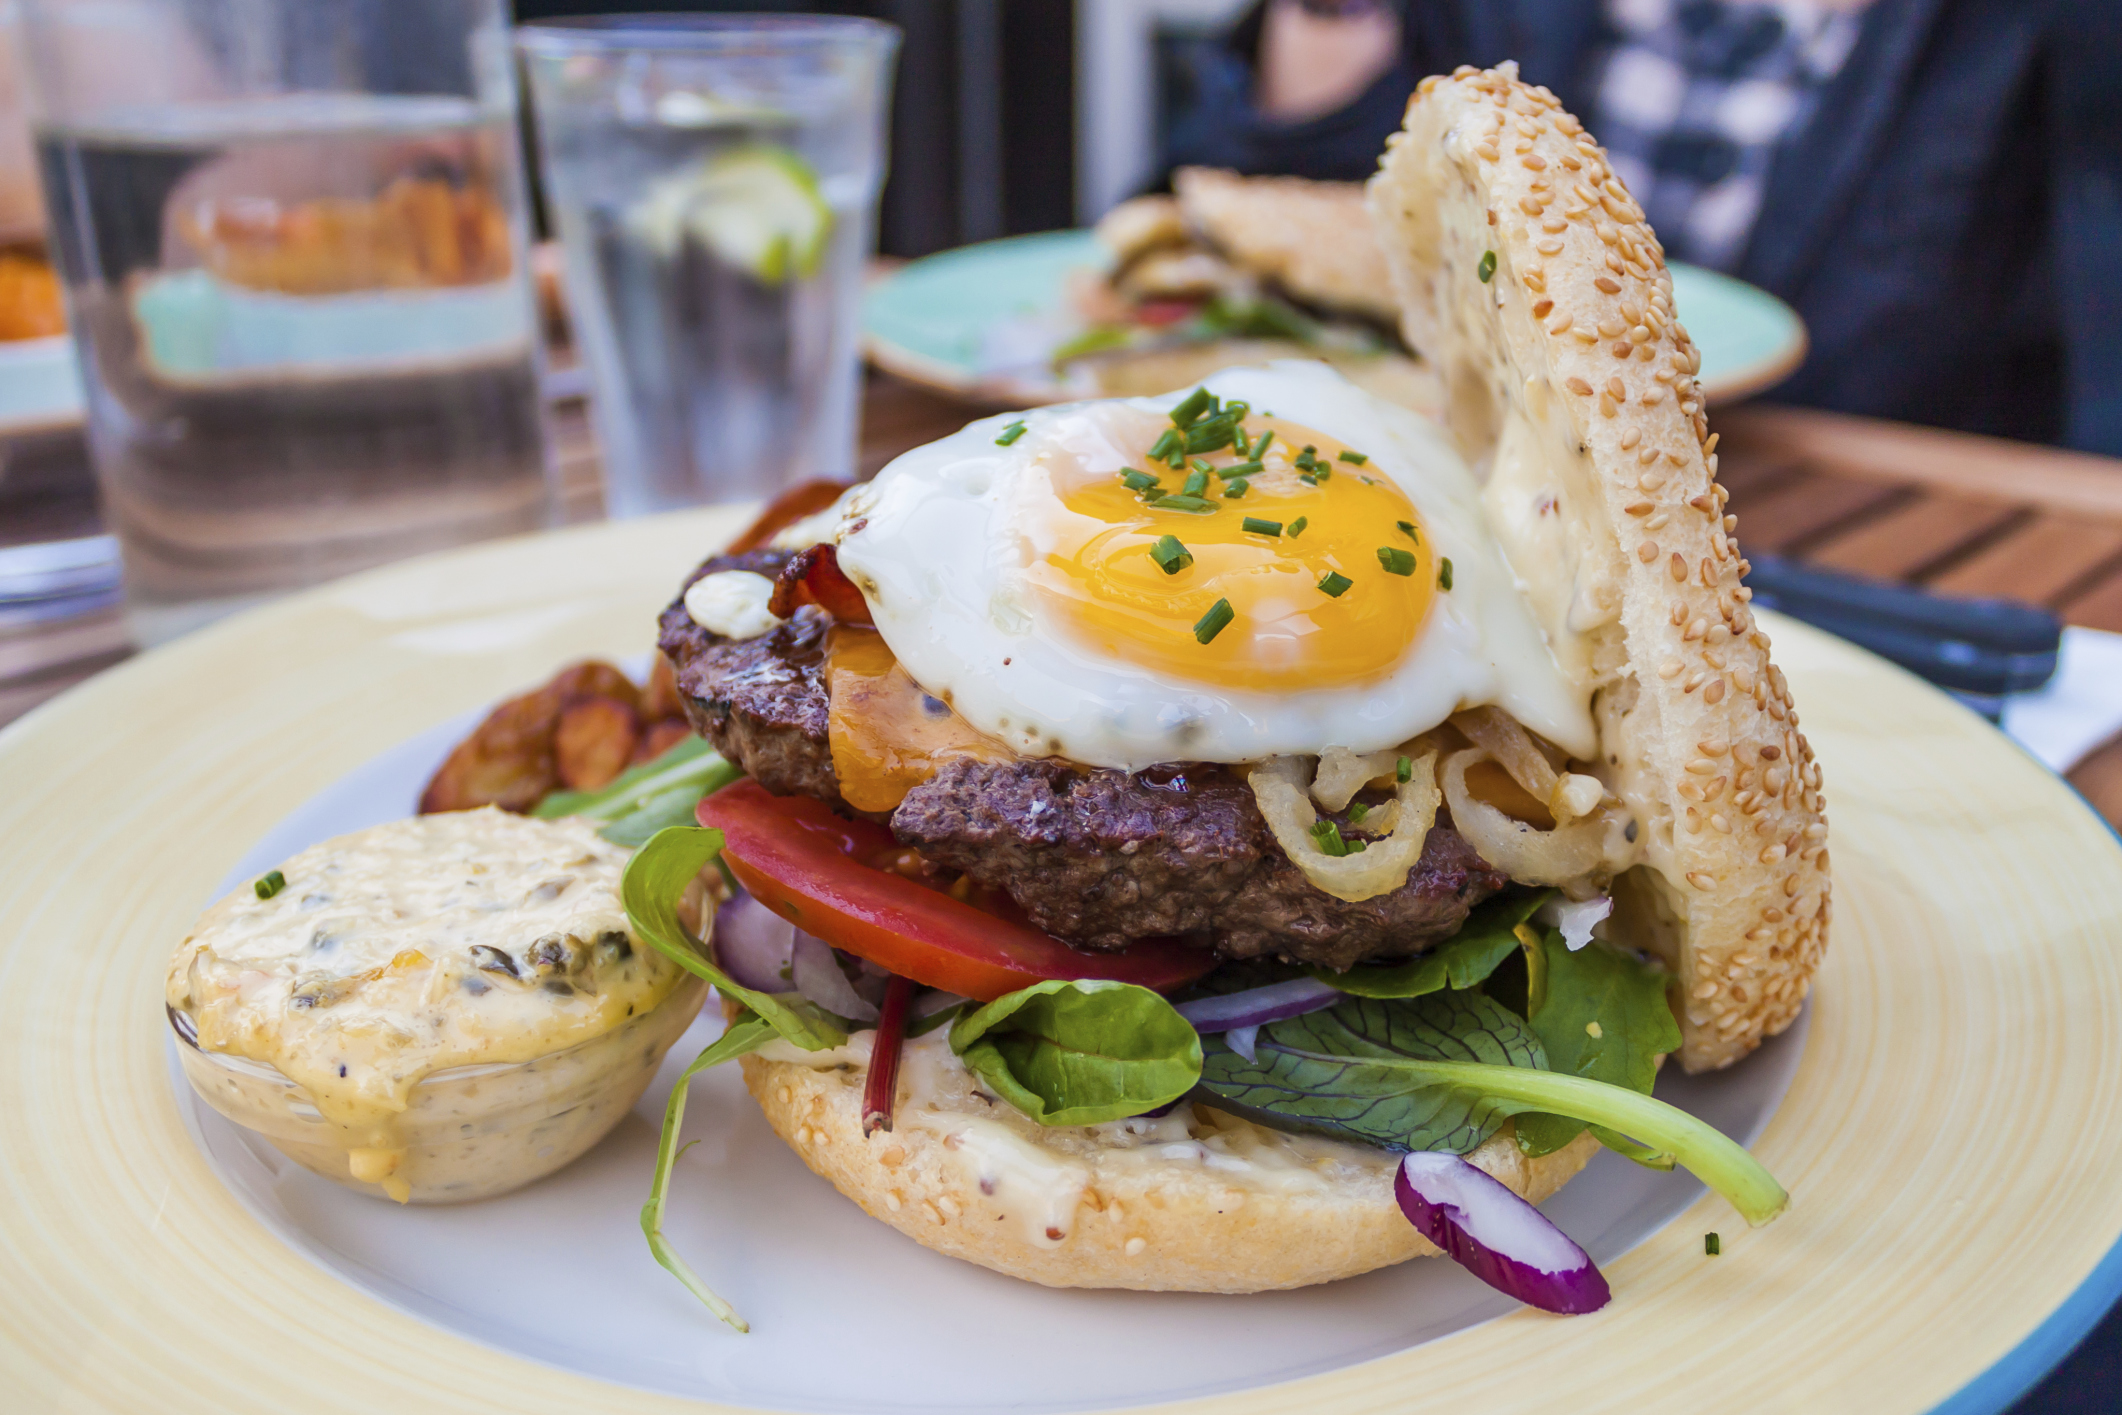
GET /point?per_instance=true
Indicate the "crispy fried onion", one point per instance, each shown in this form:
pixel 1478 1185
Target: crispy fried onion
pixel 1568 795
pixel 1567 854
pixel 1280 787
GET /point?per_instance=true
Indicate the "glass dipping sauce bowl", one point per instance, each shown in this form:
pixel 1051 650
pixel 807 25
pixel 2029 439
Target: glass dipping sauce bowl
pixel 469 1132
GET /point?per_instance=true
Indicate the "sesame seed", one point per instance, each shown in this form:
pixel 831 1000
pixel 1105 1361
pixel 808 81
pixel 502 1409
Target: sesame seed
pixel 1622 348
pixel 1607 283
pixel 1586 336
pixel 1638 508
pixel 1609 329
pixel 1647 456
pixel 1670 668
pixel 1773 854
pixel 1578 386
pixel 1486 152
pixel 1702 766
pixel 1720 824
pixel 1554 225
pixel 1650 482
pixel 1647 552
pixel 1616 387
pixel 1679 568
pixel 1540 310
pixel 1550 246
pixel 1607 406
pixel 1560 326
pixel 1702 879
pixel 1535 162
pixel 1530 205
pixel 1630 438
pixel 1694 629
pixel 1714 693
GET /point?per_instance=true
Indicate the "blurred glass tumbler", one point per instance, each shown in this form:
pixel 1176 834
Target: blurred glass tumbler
pixel 714 182
pixel 293 239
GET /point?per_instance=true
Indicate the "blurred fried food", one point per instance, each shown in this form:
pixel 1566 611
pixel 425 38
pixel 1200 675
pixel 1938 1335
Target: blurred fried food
pixel 30 307
pixel 577 732
pixel 419 232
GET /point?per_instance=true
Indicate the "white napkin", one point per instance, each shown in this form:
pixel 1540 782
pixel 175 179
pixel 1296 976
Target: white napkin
pixel 2079 709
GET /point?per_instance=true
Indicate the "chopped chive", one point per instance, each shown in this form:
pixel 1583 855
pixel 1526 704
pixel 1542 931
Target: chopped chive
pixel 1396 561
pixel 1335 584
pixel 1354 459
pixel 1201 466
pixel 1162 447
pixel 1241 469
pixel 1236 489
pixel 1357 812
pixel 1171 556
pixel 1712 1244
pixel 1237 410
pixel 1308 459
pixel 1192 407
pixel 1328 836
pixel 1409 528
pixel 1137 481
pixel 1011 433
pixel 1487 268
pixel 1215 621
pixel 1260 444
pixel 1253 525
pixel 1307 478
pixel 1192 505
pixel 1404 769
pixel 1296 527
pixel 1444 573
pixel 1177 460
pixel 1209 434
pixel 1196 481
pixel 270 885
pixel 1241 442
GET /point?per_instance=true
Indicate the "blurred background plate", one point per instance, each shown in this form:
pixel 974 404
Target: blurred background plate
pixel 40 387
pixel 977 321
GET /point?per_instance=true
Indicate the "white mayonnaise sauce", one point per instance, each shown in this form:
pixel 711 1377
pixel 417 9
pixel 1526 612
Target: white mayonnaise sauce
pixel 732 603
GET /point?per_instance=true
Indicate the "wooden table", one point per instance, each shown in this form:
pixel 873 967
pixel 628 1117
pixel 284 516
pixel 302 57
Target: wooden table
pixel 1954 513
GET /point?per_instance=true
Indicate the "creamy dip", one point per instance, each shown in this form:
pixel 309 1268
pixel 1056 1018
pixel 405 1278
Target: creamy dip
pixel 419 949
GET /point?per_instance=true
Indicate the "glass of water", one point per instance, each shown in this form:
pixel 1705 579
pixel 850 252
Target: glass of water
pixel 292 236
pixel 714 182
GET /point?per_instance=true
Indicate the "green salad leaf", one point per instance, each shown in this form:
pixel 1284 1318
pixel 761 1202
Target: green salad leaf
pixel 1603 1014
pixel 650 797
pixel 1080 1052
pixel 1317 1073
pixel 746 1033
pixel 655 880
pixel 1488 937
pixel 1383 1072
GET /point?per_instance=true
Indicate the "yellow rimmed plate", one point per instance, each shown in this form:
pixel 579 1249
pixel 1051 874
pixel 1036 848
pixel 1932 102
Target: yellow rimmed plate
pixel 1950 1135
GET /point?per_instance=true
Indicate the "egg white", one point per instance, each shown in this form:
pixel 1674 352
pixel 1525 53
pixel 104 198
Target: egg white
pixel 939 544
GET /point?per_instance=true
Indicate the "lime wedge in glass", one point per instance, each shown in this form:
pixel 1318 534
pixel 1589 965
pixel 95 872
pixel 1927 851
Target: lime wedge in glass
pixel 757 208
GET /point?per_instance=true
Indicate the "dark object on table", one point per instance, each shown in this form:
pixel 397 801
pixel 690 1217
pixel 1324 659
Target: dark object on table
pixel 1978 648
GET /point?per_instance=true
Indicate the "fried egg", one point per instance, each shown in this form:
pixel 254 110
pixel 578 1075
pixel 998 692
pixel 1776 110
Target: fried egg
pixel 1070 596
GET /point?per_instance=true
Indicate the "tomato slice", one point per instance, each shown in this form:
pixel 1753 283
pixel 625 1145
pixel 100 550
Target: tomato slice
pixel 806 863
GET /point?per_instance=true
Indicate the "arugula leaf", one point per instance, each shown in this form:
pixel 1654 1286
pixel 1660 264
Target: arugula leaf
pixel 651 797
pixel 655 879
pixel 1602 1014
pixel 1080 1052
pixel 1319 1073
pixel 1487 938
pixel 746 1033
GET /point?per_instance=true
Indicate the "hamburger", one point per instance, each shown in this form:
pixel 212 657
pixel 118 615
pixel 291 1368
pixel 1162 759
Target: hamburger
pixel 1242 838
pixel 1226 270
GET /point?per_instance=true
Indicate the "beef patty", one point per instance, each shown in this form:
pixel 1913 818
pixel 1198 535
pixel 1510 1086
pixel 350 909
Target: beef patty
pixel 1098 857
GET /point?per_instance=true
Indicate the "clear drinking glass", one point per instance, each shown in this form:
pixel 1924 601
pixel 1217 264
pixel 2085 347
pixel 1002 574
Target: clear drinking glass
pixel 293 238
pixel 714 182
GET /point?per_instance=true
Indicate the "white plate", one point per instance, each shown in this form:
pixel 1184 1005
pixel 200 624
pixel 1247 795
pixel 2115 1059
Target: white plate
pixel 846 1314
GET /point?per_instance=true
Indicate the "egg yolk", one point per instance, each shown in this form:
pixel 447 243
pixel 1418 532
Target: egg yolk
pixel 1311 601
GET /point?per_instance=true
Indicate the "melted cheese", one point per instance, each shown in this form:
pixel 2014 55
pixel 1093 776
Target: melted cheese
pixel 887 735
pixel 443 941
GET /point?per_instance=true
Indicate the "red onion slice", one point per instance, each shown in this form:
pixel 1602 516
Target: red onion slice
pixel 1258 1006
pixel 818 977
pixel 1497 1236
pixel 752 945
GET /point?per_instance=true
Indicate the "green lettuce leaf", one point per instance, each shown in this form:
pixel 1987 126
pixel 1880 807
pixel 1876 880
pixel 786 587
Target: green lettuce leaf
pixel 655 879
pixel 1600 1014
pixel 1080 1052
pixel 746 1033
pixel 1488 937
pixel 1319 1074
pixel 651 797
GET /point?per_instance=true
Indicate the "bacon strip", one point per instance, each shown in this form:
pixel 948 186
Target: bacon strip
pixel 814 577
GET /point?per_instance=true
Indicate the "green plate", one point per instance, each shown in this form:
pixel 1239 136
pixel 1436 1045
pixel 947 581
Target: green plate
pixel 971 321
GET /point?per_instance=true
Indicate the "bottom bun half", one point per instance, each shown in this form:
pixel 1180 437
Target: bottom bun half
pixel 1194 1201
